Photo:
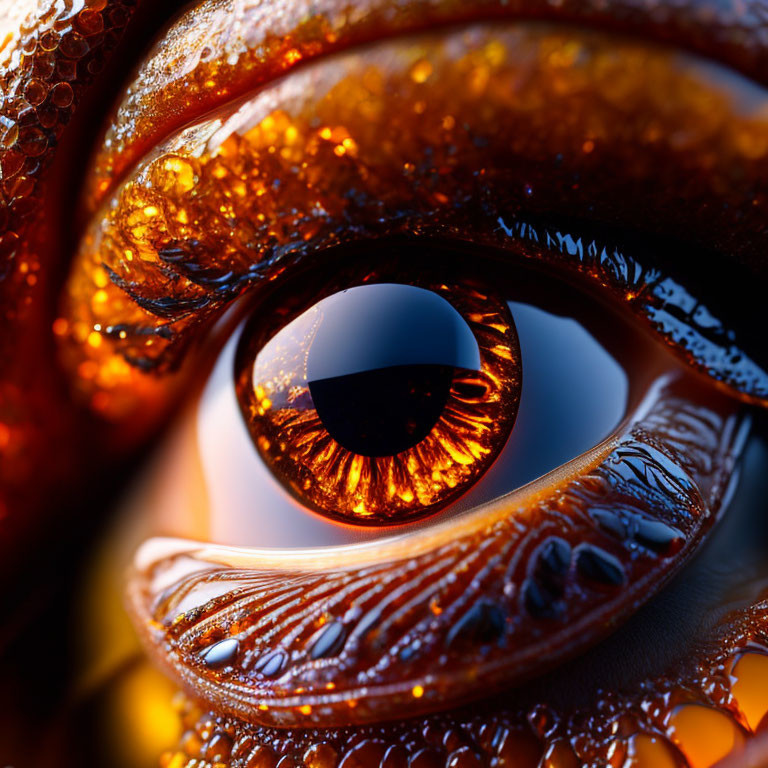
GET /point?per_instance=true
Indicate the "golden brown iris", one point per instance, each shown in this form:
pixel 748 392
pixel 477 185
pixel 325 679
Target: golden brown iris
pixel 394 443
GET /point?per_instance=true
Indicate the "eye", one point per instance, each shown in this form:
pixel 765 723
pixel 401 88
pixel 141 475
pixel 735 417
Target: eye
pixel 402 439
pixel 486 155
pixel 574 535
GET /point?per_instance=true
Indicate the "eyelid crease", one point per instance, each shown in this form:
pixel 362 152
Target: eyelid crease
pixel 222 49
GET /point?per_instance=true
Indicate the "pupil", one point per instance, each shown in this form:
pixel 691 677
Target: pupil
pixel 381 363
pixel 383 412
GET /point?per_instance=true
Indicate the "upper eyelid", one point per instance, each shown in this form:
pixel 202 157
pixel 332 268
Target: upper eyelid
pixel 704 339
pixel 167 94
pixel 179 283
pixel 624 276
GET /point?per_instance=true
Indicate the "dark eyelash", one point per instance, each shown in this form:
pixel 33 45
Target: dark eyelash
pixel 677 315
pixel 202 290
pixel 200 224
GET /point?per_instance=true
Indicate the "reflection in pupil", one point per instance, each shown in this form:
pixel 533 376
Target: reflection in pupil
pixel 381 362
pixel 385 411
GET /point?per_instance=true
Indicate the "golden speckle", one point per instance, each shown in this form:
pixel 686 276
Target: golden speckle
pixel 421 71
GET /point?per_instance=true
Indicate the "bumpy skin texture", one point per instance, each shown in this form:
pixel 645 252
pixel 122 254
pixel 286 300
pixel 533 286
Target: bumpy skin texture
pixel 29 392
pixel 661 724
pixel 512 121
pixel 49 53
pixel 230 48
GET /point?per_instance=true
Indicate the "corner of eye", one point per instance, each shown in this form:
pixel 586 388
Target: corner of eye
pixel 159 548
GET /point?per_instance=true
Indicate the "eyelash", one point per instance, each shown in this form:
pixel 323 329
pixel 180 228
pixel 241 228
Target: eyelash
pixel 158 344
pixel 664 304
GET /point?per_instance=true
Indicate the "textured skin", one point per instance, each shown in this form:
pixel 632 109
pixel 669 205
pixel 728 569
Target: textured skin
pixel 35 102
pixel 632 729
pixel 44 68
pixel 226 48
pixel 50 54
pixel 514 121
pixel 422 622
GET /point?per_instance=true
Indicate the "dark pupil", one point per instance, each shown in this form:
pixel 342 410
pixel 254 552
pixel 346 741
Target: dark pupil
pixel 383 412
pixel 381 365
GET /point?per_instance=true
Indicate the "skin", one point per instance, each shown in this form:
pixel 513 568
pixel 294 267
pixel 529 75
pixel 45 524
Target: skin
pixel 42 419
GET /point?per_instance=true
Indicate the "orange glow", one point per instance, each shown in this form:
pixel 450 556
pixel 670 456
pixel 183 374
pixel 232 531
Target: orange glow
pixel 646 751
pixel 750 687
pixel 324 475
pixel 704 735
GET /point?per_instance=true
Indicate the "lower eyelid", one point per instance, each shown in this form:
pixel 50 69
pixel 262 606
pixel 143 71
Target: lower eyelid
pixel 626 517
pixel 668 720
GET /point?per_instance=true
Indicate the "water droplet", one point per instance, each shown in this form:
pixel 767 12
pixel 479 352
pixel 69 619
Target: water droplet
pixel 647 751
pixel 329 642
pixel 657 536
pixel 32 142
pixel 610 523
pixel 703 735
pixel 271 664
pixel 321 755
pixel 364 755
pixel 555 556
pixel 517 749
pixel 483 623
pixel 74 46
pixel 62 95
pixel 89 22
pixel 463 758
pixel 261 757
pixel 219 748
pixel 11 163
pixel 540 602
pixel 395 757
pixel 750 687
pixel 35 91
pixel 598 566
pixel 220 654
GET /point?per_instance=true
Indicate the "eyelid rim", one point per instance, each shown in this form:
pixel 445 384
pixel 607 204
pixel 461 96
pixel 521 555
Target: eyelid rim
pixel 174 300
pixel 377 550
